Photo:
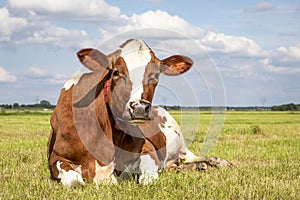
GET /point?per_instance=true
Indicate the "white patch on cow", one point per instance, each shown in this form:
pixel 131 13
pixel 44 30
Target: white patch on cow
pixel 105 174
pixel 73 81
pixel 149 170
pixel 162 112
pixel 136 55
pixel 175 146
pixel 69 178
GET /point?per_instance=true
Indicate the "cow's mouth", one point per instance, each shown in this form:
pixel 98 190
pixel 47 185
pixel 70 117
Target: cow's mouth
pixel 139 121
pixel 132 119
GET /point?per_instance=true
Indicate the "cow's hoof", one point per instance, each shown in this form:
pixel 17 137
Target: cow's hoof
pixel 201 166
pixel 147 177
pixel 218 162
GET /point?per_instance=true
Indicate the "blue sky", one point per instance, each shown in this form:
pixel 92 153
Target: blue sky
pixel 253 46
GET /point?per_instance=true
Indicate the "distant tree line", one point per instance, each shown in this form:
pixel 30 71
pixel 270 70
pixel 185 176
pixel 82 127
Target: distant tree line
pixel 286 107
pixel 44 104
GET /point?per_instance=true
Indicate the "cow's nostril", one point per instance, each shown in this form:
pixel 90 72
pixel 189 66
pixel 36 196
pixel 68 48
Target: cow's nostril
pixel 147 108
pixel 146 105
pixel 132 106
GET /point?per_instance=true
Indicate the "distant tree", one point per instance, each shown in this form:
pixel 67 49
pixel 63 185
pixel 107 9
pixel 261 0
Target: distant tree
pixel 15 106
pixel 286 107
pixel 45 104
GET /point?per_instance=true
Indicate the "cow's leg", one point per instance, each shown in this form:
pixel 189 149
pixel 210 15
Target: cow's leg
pixel 65 171
pixel 105 174
pixel 148 169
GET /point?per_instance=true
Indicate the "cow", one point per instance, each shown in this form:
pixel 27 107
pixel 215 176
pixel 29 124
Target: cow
pixel 104 126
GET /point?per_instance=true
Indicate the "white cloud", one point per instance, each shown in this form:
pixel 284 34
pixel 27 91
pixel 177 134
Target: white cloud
pixel 151 19
pixel 97 10
pixel 38 71
pixel 288 54
pixel 214 42
pixel 16 31
pixel 211 41
pixel 283 60
pixel 58 79
pixel 161 19
pixel 9 24
pixel 6 76
pixel 55 36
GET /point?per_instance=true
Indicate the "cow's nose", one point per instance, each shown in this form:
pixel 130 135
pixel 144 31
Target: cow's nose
pixel 140 109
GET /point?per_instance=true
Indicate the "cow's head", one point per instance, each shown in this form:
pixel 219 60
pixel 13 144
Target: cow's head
pixel 133 71
pixel 144 70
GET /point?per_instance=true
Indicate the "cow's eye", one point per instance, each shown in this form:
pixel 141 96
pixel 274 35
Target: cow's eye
pixel 152 81
pixel 116 73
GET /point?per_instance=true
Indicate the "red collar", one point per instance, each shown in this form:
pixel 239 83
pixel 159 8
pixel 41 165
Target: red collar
pixel 106 88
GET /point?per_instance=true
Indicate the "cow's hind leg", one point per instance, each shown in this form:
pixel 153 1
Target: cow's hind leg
pixel 203 163
pixel 65 171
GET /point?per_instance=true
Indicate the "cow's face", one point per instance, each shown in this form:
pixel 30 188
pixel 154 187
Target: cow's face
pixel 133 76
pixel 144 70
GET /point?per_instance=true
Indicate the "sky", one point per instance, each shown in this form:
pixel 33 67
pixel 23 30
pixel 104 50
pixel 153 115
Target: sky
pixel 245 53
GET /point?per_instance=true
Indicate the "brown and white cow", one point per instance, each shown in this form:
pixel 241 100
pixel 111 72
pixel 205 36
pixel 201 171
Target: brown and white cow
pixel 86 141
pixel 94 132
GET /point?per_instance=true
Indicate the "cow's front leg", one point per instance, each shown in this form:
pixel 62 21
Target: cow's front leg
pixel 64 171
pixel 69 175
pixel 148 169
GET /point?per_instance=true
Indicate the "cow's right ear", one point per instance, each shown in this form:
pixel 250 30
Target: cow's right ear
pixel 93 59
pixel 176 65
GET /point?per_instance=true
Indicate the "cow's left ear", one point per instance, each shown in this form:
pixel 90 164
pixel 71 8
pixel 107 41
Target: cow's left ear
pixel 93 59
pixel 176 65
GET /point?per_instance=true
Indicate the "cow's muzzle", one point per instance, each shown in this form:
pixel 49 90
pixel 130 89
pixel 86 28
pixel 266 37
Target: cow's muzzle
pixel 139 110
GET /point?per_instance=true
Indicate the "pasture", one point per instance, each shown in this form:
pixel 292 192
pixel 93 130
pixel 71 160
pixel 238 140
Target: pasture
pixel 264 146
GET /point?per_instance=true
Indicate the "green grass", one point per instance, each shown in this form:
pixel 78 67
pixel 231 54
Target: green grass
pixel 263 145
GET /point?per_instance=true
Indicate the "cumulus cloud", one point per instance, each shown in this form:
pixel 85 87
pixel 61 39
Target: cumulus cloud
pixel 18 31
pixel 151 19
pixel 35 71
pixel 9 24
pixel 38 32
pixel 210 41
pixel 260 7
pixel 214 42
pixel 6 76
pixel 283 60
pixel 55 36
pixel 97 10
pixel 43 76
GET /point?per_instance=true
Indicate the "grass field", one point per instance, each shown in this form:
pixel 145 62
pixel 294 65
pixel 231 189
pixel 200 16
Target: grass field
pixel 265 147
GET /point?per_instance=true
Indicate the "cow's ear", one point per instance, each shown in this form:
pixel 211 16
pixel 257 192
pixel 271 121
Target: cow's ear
pixel 93 59
pixel 176 65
